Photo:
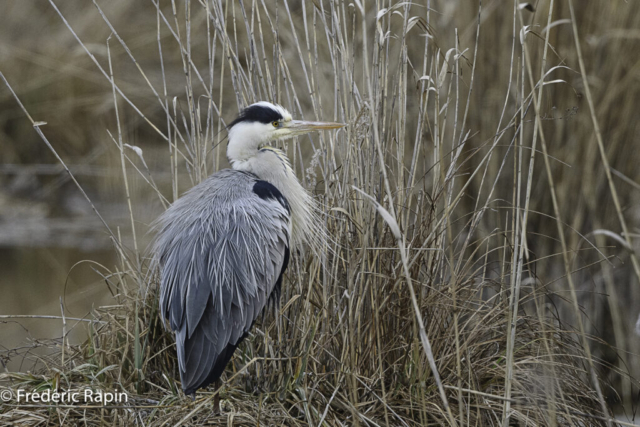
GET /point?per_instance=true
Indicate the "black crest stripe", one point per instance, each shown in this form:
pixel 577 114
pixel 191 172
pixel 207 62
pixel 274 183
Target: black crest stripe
pixel 257 113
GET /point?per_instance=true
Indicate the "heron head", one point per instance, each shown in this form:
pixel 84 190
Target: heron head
pixel 263 122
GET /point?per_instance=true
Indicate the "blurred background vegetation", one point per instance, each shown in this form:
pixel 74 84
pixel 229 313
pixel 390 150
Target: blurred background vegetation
pixel 47 228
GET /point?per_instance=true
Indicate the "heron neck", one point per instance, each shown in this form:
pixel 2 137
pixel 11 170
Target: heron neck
pixel 273 166
pixel 302 206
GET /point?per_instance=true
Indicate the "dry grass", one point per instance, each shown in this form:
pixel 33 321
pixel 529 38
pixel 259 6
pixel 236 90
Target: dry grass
pixel 480 228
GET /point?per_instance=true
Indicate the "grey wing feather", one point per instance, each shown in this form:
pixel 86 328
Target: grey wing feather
pixel 221 250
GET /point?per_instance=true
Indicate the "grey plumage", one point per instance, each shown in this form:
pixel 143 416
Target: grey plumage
pixel 238 245
pixel 222 248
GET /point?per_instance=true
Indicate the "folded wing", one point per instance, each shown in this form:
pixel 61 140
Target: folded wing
pixel 221 249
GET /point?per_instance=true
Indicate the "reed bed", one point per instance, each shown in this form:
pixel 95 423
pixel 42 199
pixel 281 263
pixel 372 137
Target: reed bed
pixel 451 291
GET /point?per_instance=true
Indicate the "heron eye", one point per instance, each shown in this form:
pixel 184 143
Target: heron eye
pixel 276 124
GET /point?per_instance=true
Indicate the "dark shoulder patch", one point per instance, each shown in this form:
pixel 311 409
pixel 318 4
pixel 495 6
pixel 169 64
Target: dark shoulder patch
pixel 265 190
pixel 257 113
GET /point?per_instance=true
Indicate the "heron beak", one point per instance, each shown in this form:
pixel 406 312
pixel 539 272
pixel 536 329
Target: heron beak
pixel 300 126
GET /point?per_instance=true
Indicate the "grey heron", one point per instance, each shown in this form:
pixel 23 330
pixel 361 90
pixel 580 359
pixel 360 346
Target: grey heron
pixel 223 247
